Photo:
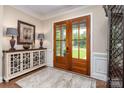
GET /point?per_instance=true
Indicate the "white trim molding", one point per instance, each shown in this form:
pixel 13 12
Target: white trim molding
pixel 51 14
pixel 99 66
pixel 49 57
pixel 1 79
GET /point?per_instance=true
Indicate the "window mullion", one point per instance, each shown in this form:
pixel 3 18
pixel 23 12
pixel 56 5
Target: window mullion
pixel 60 40
pixel 79 40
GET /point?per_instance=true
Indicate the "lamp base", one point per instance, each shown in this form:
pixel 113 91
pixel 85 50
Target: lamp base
pixel 12 49
pixel 41 47
pixel 12 43
pixel 41 44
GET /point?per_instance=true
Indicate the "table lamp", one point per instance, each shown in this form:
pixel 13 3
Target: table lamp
pixel 12 32
pixel 41 37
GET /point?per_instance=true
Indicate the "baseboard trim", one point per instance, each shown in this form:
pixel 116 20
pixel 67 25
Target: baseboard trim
pixel 99 76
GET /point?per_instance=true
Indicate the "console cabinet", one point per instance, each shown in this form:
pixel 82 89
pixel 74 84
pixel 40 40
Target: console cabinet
pixel 20 62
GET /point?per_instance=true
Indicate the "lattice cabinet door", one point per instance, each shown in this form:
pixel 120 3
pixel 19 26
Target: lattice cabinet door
pixel 42 57
pixel 26 57
pixel 14 63
pixel 36 58
pixel 20 62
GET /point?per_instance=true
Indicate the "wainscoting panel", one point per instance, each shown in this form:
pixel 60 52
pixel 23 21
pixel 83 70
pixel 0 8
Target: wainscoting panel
pixel 99 66
pixel 49 57
pixel 1 80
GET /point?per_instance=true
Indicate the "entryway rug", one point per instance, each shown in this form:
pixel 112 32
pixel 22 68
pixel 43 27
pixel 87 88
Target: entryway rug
pixel 54 78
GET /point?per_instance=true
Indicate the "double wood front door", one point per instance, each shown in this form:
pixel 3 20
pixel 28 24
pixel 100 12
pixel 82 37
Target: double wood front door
pixel 72 45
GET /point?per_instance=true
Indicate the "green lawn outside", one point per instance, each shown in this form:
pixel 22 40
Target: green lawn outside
pixel 82 53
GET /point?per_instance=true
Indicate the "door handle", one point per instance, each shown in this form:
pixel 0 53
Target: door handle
pixel 67 50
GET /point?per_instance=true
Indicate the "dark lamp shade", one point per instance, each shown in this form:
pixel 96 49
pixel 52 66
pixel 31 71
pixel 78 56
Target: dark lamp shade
pixel 11 32
pixel 41 36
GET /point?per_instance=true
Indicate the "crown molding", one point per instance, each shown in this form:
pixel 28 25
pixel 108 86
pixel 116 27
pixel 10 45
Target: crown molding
pixel 52 14
pixel 62 12
pixel 29 12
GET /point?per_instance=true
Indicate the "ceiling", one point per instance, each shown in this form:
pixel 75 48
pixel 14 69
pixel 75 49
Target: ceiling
pixel 46 11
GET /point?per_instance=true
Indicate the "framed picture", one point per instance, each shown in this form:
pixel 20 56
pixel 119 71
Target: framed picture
pixel 26 33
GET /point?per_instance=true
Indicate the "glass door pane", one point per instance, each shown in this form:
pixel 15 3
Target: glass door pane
pixel 61 40
pixel 58 34
pixel 75 37
pixel 82 40
pixel 75 31
pixel 63 48
pixel 79 39
pixel 58 40
pixel 58 48
pixel 82 49
pixel 75 49
pixel 63 32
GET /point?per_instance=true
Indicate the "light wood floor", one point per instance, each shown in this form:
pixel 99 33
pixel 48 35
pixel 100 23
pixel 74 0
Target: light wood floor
pixel 12 84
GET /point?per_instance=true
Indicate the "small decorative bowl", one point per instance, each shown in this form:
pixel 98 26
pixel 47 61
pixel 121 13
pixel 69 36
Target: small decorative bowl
pixel 26 46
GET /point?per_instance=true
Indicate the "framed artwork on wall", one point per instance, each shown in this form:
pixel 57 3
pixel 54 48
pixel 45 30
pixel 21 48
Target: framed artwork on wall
pixel 26 33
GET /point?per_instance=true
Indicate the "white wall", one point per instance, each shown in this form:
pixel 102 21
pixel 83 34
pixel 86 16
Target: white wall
pixel 98 32
pixel 99 27
pixel 11 16
pixel 8 18
pixel 1 28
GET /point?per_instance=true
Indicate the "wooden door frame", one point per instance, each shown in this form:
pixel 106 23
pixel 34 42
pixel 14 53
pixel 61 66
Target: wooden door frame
pixel 91 43
pixel 78 19
pixel 54 40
